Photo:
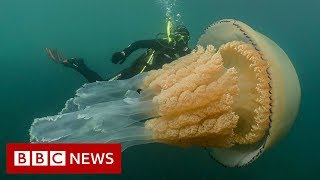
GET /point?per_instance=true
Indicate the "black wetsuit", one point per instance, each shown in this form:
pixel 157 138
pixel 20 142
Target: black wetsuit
pixel 89 74
pixel 159 52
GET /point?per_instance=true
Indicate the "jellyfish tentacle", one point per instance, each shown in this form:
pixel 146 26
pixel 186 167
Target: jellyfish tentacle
pixel 102 91
pixel 106 116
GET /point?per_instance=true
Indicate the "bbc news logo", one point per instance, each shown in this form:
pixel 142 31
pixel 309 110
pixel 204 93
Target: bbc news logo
pixel 58 158
pixel 63 158
pixel 40 158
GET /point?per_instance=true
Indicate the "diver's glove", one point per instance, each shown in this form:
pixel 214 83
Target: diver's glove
pixel 118 57
pixel 74 63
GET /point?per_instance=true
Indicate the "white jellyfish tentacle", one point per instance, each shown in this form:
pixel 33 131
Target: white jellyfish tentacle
pixel 102 91
pixel 109 111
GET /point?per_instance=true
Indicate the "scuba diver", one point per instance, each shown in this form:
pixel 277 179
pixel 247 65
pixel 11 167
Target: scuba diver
pixel 160 51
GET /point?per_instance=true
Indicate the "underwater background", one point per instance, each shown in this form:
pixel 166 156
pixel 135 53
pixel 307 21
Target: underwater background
pixel 34 86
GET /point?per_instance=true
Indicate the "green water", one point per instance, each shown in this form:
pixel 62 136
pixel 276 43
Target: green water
pixel 32 86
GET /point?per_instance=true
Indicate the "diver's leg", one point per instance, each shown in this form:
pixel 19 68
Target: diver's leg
pixel 85 71
pixel 124 74
pixel 78 65
pixel 74 63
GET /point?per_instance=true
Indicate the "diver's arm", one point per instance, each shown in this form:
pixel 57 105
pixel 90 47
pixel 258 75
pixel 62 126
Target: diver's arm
pixel 156 44
pixel 149 44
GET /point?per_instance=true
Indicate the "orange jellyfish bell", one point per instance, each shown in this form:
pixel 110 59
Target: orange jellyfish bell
pixel 284 89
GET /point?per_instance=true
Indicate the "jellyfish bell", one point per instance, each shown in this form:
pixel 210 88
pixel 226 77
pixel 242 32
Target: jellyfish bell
pixel 284 88
pixel 235 95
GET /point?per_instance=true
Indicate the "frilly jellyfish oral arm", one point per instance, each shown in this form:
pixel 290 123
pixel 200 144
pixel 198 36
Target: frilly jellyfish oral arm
pixel 101 112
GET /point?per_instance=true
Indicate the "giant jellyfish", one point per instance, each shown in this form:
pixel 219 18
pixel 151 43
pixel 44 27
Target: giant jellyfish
pixel 235 95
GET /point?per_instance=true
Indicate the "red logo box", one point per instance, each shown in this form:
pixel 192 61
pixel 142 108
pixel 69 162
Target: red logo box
pixel 63 158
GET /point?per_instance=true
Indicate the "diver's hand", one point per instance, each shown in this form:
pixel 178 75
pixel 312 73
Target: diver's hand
pixel 118 57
